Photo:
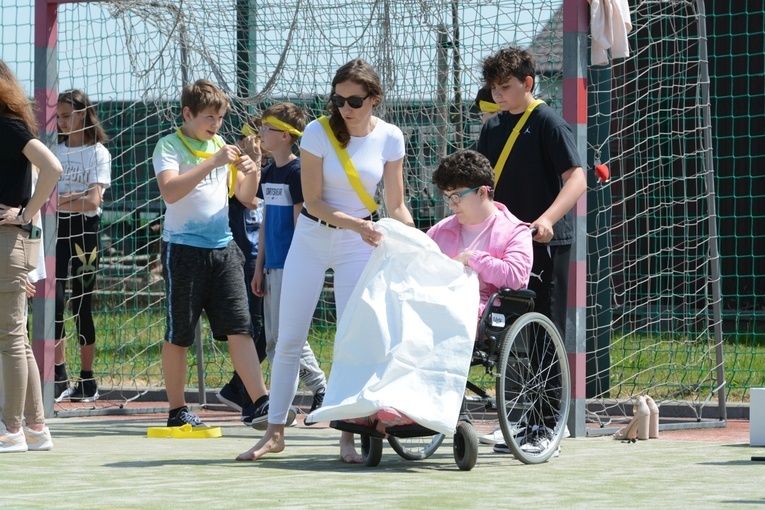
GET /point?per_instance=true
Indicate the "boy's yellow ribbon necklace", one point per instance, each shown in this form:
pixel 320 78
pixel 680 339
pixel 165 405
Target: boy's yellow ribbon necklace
pixel 205 155
pixel 511 140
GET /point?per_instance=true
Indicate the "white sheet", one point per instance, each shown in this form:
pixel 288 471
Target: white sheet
pixel 406 337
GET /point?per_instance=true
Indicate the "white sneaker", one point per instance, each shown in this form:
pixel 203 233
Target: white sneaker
pixel 10 442
pixel 497 437
pixel 493 438
pixel 66 394
pixel 538 445
pixel 38 441
pixel 566 432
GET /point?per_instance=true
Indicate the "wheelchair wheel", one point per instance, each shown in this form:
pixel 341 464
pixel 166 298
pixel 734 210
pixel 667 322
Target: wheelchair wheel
pixel 533 388
pixel 371 450
pixel 465 446
pixel 416 448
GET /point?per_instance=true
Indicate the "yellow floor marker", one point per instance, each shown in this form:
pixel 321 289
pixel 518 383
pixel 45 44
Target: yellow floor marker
pixel 184 432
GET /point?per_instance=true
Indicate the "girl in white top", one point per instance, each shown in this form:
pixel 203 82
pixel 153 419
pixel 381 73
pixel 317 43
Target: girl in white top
pixel 334 231
pixel 87 173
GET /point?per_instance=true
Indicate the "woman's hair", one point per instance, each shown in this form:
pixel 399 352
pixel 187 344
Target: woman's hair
pixel 92 131
pixel 360 72
pixel 13 102
pixel 464 168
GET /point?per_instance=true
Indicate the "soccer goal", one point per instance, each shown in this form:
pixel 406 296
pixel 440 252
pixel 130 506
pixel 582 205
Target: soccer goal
pixel 651 319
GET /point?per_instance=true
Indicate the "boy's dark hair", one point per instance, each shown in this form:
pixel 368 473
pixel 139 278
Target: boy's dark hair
pixel 464 168
pixel 505 64
pixel 289 113
pixel 92 131
pixel 203 94
pixel 357 71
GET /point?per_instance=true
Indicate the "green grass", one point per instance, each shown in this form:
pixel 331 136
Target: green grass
pixel 129 344
pixel 684 368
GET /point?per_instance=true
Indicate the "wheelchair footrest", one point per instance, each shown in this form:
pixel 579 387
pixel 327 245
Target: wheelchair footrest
pixel 356 428
pixel 403 431
pixel 413 430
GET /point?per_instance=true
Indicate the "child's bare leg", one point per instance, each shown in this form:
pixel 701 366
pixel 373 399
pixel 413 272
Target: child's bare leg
pixel 271 442
pixel 244 357
pixel 348 453
pixel 174 369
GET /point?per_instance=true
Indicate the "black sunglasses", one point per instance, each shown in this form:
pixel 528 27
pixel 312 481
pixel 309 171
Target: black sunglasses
pixel 353 102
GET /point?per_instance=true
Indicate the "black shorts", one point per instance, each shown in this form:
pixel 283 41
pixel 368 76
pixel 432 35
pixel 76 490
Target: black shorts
pixel 206 279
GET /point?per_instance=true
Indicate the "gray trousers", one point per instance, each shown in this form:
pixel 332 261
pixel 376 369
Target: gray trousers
pixel 310 374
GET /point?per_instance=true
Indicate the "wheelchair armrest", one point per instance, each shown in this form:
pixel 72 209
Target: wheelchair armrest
pixel 518 294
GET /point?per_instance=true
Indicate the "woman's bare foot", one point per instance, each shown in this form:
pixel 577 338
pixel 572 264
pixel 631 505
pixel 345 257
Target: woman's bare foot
pixel 348 453
pixel 271 442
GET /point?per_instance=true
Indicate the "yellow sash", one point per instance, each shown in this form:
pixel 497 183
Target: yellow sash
pixel 350 169
pixel 204 155
pixel 511 140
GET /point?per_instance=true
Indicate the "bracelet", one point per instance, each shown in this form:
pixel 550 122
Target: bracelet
pixel 20 217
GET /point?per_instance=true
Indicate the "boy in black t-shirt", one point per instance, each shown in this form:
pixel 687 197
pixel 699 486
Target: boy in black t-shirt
pixel 541 179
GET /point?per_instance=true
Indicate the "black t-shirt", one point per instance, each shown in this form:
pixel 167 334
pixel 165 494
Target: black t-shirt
pixel 15 169
pixel 531 178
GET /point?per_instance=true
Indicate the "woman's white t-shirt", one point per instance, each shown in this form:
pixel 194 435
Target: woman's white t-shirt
pixel 369 154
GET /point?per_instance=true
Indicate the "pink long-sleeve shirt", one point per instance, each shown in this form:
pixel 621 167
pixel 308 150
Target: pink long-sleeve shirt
pixel 506 263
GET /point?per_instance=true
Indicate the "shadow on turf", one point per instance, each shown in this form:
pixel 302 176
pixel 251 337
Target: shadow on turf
pixel 741 462
pixel 292 462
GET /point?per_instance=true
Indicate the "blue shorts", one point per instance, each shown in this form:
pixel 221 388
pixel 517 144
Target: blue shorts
pixel 206 279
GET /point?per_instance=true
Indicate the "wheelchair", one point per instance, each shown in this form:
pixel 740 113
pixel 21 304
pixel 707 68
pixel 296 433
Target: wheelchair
pixel 524 353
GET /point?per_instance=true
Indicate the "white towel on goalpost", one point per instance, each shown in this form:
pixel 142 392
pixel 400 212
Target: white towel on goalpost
pixel 406 338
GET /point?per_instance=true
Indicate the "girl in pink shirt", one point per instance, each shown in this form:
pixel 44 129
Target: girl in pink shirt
pixel 482 234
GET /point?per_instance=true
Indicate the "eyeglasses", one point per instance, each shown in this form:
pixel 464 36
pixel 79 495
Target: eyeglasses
pixel 353 101
pixel 456 198
pixel 265 128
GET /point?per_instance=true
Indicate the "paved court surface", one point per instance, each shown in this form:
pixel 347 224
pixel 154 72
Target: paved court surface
pixel 108 462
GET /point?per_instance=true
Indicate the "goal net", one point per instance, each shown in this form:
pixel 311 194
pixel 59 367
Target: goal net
pixel 649 313
pixel 652 241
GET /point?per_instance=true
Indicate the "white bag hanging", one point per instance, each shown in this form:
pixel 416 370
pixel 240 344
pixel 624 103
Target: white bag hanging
pixel 406 337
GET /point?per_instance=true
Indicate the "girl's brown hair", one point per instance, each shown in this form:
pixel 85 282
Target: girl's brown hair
pixel 93 132
pixel 360 72
pixel 13 102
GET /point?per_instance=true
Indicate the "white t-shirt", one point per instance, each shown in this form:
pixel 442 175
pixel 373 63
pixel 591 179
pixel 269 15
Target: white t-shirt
pixel 369 154
pixel 38 273
pixel 200 218
pixel 84 166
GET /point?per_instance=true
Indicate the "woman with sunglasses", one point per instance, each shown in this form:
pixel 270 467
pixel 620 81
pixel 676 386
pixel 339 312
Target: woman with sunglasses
pixel 335 229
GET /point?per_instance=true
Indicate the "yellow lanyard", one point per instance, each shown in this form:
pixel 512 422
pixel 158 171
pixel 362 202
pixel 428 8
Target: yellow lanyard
pixel 511 140
pixel 350 169
pixel 205 155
